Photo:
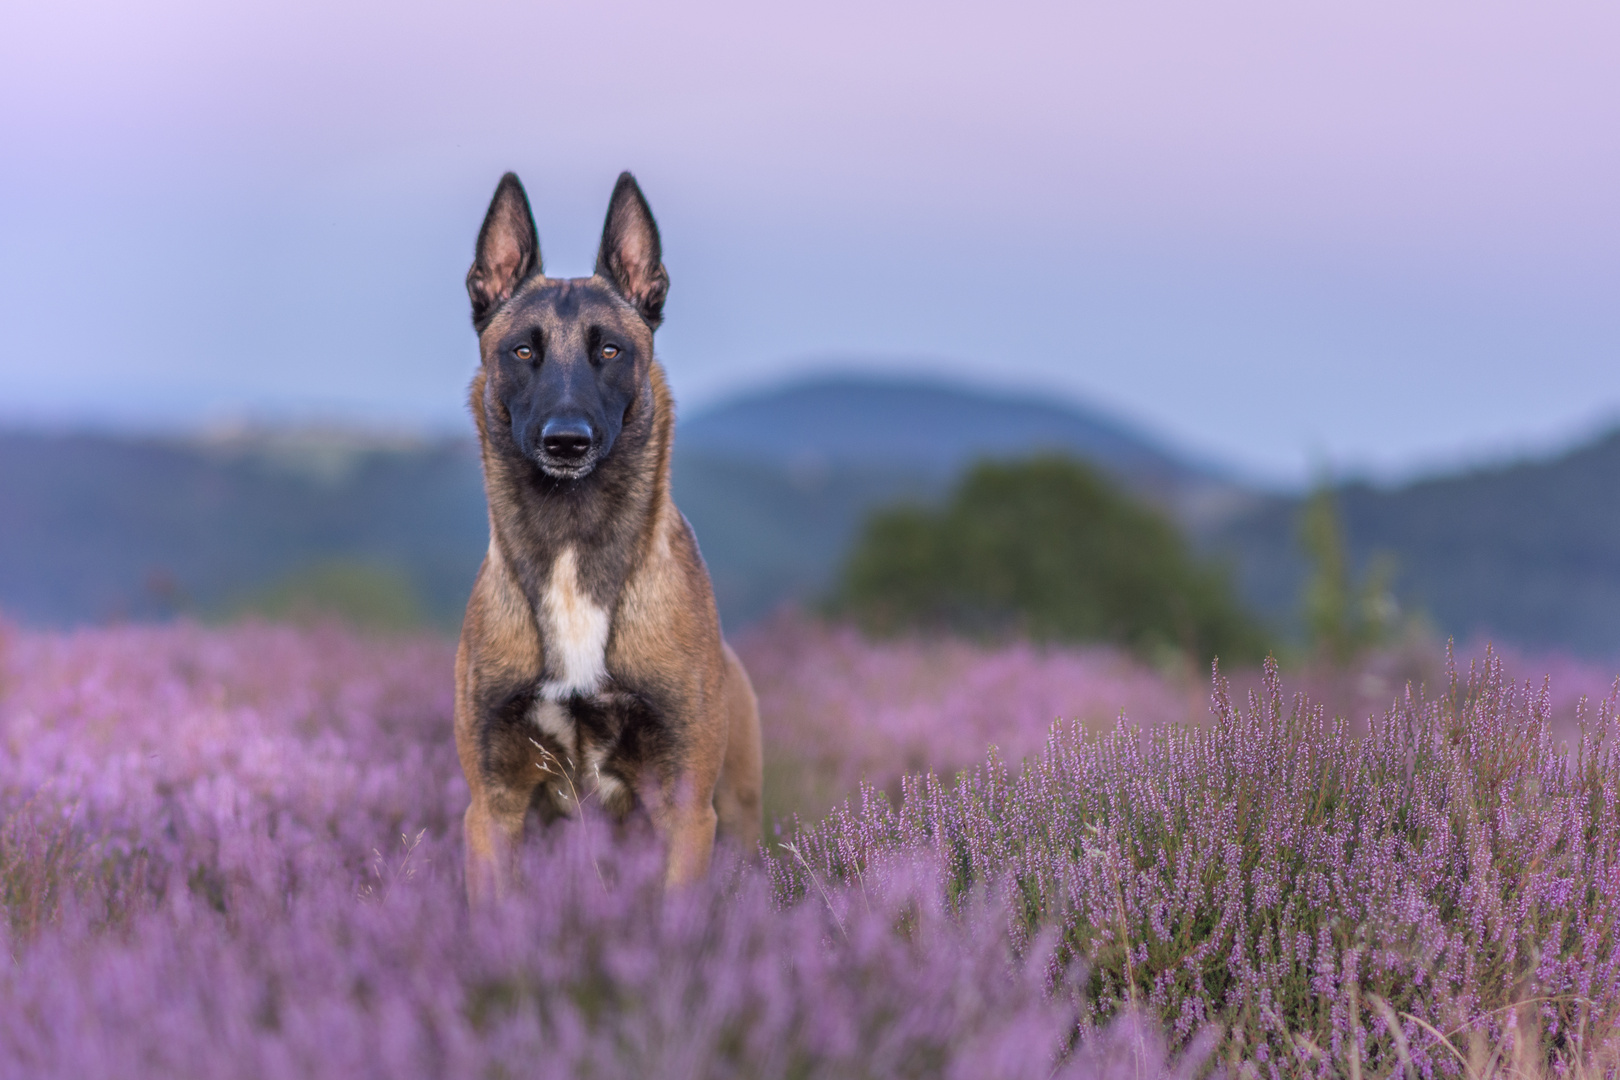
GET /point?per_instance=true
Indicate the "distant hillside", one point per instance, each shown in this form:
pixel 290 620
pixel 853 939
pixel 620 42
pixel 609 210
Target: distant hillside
pixel 1528 552
pixel 776 484
pixel 99 527
pixel 924 428
pixel 94 527
pixel 932 425
pixel 771 534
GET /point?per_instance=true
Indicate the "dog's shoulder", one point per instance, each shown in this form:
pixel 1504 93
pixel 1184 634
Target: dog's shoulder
pixel 666 614
pixel 500 629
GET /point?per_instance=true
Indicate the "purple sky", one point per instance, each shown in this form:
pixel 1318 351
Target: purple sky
pixel 1376 236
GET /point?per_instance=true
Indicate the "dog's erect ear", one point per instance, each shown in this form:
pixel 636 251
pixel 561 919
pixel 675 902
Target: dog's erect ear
pixel 508 251
pixel 631 257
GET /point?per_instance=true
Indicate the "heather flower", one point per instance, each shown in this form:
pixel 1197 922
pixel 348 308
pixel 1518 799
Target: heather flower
pixel 236 852
pixel 1453 872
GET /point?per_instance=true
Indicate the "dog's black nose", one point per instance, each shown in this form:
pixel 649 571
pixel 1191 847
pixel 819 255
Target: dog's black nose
pixel 567 440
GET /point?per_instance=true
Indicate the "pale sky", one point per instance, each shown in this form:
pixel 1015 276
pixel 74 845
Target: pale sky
pixel 1374 236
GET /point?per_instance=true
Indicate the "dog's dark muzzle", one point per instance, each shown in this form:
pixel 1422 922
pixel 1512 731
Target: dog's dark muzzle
pixel 567 445
pixel 567 440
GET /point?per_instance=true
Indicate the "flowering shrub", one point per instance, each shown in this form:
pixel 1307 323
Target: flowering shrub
pixel 1319 897
pixel 839 709
pixel 236 852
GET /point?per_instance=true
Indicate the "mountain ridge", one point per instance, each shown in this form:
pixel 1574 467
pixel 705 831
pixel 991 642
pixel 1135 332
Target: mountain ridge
pixel 949 423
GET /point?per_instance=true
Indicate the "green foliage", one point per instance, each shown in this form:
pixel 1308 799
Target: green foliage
pixel 362 594
pixel 1343 617
pixel 1048 548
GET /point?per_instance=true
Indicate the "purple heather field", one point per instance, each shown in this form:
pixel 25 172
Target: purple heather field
pixel 234 851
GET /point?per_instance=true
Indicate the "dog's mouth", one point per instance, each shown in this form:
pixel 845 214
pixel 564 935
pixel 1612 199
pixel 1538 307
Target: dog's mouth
pixel 559 469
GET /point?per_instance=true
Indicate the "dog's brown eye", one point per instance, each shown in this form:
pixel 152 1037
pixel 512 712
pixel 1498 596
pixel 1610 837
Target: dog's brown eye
pixel 523 352
pixel 609 351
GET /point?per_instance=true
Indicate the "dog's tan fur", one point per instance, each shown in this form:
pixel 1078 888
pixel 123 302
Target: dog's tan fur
pixel 671 726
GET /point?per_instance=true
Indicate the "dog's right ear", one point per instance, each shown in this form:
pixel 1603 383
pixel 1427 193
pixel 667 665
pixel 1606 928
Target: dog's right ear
pixel 508 251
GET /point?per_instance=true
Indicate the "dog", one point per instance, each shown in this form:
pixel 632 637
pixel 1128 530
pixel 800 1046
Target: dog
pixel 591 667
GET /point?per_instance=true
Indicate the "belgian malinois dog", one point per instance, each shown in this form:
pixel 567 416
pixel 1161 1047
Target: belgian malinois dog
pixel 591 666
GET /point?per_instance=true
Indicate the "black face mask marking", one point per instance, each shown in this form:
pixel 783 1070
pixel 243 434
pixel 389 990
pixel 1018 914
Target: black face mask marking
pixel 568 369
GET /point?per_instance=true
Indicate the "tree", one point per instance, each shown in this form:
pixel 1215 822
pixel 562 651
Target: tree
pixel 1342 617
pixel 1047 548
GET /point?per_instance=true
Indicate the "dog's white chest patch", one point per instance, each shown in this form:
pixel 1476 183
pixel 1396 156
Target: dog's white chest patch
pixel 576 633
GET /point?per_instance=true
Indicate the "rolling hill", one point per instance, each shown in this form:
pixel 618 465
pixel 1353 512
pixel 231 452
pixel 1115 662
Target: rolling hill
pixel 1527 552
pixel 99 527
pixel 96 526
pixel 777 484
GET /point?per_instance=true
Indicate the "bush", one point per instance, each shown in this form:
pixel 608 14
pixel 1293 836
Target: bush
pixel 235 852
pixel 364 595
pixel 1344 617
pixel 1446 882
pixel 1048 548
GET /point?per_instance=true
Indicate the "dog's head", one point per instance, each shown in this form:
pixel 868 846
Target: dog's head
pixel 565 360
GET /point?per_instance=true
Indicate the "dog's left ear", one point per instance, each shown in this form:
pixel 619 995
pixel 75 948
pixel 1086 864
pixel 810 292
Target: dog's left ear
pixel 631 256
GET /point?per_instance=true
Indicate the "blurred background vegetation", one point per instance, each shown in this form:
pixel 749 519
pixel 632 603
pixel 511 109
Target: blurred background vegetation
pixel 1343 614
pixel 367 596
pixel 1050 549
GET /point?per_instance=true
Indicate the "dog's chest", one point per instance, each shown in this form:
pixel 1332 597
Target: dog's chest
pixel 582 749
pixel 580 717
pixel 573 633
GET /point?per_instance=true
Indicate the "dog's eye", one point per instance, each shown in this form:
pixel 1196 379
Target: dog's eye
pixel 523 352
pixel 609 351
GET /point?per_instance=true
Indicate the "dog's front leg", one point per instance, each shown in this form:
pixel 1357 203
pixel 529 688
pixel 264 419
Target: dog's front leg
pixel 493 827
pixel 690 840
pixel 682 812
